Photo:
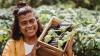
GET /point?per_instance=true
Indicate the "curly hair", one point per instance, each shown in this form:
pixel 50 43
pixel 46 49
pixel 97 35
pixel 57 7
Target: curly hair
pixel 22 8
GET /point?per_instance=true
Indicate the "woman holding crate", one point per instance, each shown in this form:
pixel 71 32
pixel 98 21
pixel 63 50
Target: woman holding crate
pixel 25 31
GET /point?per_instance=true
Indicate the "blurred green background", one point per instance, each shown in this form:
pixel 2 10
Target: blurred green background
pixel 89 4
pixel 84 13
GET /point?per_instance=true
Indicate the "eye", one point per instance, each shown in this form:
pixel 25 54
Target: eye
pixel 31 20
pixel 23 23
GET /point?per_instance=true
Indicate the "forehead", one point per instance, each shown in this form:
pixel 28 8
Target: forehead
pixel 26 16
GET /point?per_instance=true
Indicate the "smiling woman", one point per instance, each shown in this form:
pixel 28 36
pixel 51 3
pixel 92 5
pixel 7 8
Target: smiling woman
pixel 25 31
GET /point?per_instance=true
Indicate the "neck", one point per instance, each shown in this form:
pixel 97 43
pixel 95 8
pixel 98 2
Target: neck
pixel 30 40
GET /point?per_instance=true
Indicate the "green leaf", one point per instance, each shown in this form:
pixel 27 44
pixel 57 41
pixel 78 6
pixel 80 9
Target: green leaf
pixel 98 43
pixel 47 38
pixel 90 44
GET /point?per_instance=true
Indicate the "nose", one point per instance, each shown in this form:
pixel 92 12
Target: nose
pixel 29 25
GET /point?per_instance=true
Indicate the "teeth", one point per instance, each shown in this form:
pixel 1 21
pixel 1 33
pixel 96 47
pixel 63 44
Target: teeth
pixel 30 29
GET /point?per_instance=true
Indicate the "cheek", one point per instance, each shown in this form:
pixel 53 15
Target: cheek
pixel 22 29
pixel 36 26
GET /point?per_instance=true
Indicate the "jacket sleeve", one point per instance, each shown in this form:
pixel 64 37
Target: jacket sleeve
pixel 7 49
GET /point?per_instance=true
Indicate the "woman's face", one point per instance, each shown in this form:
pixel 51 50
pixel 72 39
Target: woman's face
pixel 28 24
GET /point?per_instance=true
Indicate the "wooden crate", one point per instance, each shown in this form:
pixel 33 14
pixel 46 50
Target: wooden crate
pixel 48 50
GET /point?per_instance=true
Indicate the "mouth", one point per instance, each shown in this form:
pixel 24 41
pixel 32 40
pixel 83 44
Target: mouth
pixel 31 30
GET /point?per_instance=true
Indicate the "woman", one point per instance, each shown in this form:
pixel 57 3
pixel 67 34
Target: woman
pixel 26 29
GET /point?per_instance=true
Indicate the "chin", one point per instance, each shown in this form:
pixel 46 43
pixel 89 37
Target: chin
pixel 32 34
